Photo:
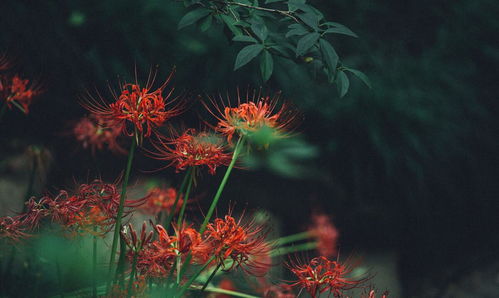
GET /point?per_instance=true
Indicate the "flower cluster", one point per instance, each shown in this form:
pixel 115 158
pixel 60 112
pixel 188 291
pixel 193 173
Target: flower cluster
pixel 161 200
pixel 233 245
pixel 19 92
pixel 323 275
pixel 96 132
pixel 325 232
pixel 253 114
pixel 93 206
pixel 193 149
pixel 138 110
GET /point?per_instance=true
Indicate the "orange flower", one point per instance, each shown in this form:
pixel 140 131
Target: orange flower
pixel 193 149
pixel 96 132
pixel 326 233
pixel 159 199
pixel 244 244
pixel 322 275
pixel 17 91
pixel 140 108
pixel 251 115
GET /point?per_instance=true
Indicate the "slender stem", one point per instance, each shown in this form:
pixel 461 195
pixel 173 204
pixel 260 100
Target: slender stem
pixel 292 238
pixel 120 270
pixel 59 276
pixel 117 226
pixel 186 197
pixel 177 198
pixel 211 277
pixel 294 248
pixel 19 106
pixel 193 278
pixel 94 265
pixel 235 155
pixel 132 275
pixel 223 291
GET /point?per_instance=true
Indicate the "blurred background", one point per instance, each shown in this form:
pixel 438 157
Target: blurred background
pixel 408 169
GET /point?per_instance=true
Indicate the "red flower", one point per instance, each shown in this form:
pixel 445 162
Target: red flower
pixel 326 233
pixel 251 115
pixel 17 91
pixel 372 294
pixel 132 241
pixel 159 199
pixel 193 149
pixel 244 244
pixel 190 241
pixel 13 228
pixel 226 284
pixel 322 275
pixel 140 107
pixel 96 132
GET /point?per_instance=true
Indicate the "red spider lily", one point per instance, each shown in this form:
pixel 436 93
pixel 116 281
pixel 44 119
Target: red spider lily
pixel 190 241
pixel 226 284
pixel 326 233
pixel 159 199
pixel 253 113
pixel 322 275
pixel 138 289
pixel 193 149
pixel 106 196
pixel 141 107
pixel 157 258
pixel 244 244
pixel 17 91
pixel 13 228
pixel 132 241
pixel 279 291
pixel 96 133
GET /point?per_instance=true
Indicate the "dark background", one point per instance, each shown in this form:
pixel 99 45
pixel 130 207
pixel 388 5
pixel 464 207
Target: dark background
pixel 411 165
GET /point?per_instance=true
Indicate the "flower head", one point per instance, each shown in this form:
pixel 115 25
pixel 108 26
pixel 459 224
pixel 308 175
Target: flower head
pixel 138 107
pixel 323 275
pixel 96 132
pixel 326 233
pixel 243 244
pixel 161 199
pixel 13 228
pixel 252 114
pixel 193 149
pixel 17 91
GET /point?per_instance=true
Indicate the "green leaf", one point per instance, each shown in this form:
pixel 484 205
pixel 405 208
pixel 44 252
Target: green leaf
pixel 286 50
pixel 266 65
pixel 206 23
pixel 293 4
pixel 311 19
pixel 272 1
pixel 193 16
pixel 244 38
pixel 297 31
pixel 231 24
pixel 342 83
pixel 260 30
pixel 341 30
pixel 359 74
pixel 247 54
pixel 330 57
pixel 306 42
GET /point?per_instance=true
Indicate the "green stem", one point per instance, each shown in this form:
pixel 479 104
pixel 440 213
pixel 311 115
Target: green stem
pixel 193 278
pixel 211 277
pixel 18 106
pixel 235 155
pixel 59 276
pixel 117 226
pixel 94 265
pixel 177 198
pixel 292 238
pixel 120 270
pixel 294 248
pixel 132 275
pixel 186 197
pixel 222 291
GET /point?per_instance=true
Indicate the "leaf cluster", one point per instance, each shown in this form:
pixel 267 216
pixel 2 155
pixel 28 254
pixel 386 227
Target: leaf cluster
pixel 288 29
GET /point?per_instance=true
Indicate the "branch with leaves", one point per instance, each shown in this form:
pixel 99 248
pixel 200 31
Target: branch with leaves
pixel 290 29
